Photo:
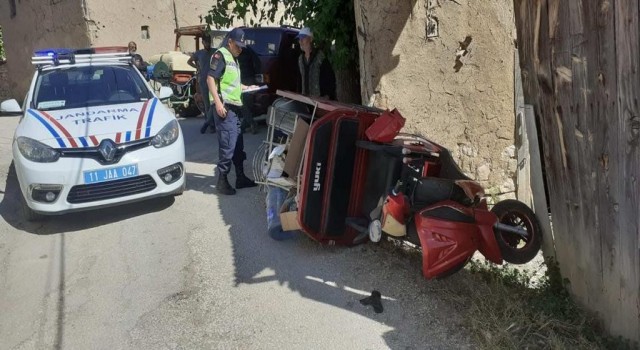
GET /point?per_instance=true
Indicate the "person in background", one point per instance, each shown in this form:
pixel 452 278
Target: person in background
pixel 318 78
pixel 136 59
pixel 201 60
pixel 225 89
pixel 250 66
pixel 133 48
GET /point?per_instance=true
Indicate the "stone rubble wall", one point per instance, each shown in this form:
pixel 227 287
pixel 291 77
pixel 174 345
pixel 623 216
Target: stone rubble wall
pixel 448 68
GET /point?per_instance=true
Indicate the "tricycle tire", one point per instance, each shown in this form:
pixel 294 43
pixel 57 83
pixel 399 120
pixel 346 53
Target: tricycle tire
pixel 514 213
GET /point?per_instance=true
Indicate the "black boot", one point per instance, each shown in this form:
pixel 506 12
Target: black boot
pixel 223 186
pixel 204 127
pixel 242 181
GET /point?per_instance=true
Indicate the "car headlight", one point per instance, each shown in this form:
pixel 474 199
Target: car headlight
pixel 168 135
pixel 37 151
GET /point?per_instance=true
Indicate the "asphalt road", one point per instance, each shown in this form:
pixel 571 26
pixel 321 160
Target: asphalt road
pixel 200 272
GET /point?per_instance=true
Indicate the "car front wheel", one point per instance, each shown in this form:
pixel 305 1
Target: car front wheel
pixel 28 213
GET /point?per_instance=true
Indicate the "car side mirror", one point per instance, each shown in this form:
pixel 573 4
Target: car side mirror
pixel 10 107
pixel 165 92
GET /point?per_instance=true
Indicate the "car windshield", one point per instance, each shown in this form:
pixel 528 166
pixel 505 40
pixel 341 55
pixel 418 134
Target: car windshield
pixel 86 86
pixel 264 41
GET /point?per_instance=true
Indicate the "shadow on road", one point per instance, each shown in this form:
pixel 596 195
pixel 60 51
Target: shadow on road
pixel 201 183
pixel 336 276
pixel 198 146
pixel 11 212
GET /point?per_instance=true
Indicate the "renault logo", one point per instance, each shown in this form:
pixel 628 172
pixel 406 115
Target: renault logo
pixel 108 150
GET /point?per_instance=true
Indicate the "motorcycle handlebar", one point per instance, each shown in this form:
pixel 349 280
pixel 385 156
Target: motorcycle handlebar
pixel 396 189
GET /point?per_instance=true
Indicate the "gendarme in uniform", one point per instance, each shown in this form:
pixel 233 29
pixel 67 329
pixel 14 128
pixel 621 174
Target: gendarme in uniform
pixel 224 68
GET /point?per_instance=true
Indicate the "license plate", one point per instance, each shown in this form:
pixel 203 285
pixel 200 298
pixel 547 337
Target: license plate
pixel 110 174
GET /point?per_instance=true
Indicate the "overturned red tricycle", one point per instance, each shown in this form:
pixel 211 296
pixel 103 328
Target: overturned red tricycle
pixel 352 188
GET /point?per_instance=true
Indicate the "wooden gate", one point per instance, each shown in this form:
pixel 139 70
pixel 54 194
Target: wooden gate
pixel 580 61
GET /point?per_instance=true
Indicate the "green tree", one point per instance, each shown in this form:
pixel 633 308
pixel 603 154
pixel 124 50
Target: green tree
pixel 2 54
pixel 332 21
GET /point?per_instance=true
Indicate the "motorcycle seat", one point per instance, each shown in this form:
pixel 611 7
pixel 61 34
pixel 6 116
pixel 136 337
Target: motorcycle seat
pixel 431 190
pixel 448 214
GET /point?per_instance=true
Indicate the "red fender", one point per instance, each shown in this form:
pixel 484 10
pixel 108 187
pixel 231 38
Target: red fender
pixel 451 239
pixel 488 245
pixel 446 242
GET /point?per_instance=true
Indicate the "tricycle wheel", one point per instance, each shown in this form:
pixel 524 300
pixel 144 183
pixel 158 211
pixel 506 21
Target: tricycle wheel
pixel 516 249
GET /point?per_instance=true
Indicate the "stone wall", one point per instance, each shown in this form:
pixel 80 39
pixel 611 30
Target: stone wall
pixel 448 68
pixel 117 22
pixel 117 25
pixel 33 24
pixel 28 25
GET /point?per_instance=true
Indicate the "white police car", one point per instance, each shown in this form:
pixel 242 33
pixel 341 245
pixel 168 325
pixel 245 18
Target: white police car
pixel 93 134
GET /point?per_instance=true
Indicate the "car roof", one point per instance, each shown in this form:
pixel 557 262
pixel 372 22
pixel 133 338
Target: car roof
pixel 97 64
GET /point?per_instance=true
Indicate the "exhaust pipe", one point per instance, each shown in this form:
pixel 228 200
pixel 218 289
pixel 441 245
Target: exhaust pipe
pixel 512 229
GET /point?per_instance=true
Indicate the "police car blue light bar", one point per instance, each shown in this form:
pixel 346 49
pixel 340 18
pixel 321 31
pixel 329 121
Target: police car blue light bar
pixel 52 52
pixel 59 56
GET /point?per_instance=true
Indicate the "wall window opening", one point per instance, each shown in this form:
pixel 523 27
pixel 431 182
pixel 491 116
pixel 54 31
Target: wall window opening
pixel 144 32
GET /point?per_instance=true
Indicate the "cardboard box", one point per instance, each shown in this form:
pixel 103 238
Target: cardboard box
pixel 289 218
pixel 296 149
pixel 289 221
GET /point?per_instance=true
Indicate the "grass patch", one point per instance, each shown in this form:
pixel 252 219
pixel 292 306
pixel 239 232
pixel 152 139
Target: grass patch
pixel 507 308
